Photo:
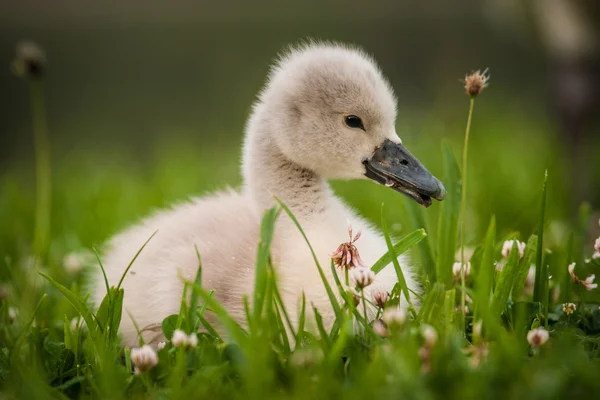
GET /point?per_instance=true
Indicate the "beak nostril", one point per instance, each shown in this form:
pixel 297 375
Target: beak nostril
pixel 404 162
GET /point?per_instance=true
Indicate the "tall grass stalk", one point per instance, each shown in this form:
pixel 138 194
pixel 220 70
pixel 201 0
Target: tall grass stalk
pixel 463 212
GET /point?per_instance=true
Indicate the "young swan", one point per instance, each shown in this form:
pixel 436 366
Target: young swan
pixel 326 113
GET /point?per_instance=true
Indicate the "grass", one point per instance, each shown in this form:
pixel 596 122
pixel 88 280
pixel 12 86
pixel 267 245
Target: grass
pixel 435 352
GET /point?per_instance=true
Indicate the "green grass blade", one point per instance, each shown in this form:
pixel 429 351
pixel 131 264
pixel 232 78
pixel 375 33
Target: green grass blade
pixel 448 217
pixel 415 214
pixel 281 305
pixel 330 294
pixel 281 328
pixel 562 275
pixel 133 260
pixel 486 271
pixel 263 255
pixel 209 328
pixel 505 281
pixel 78 304
pixel 69 343
pixel 448 314
pixel 102 268
pixel 301 321
pixel 434 300
pixel 524 264
pixel 236 332
pixel 322 332
pixel 399 248
pixel 538 288
pixel 137 330
pixel 394 256
pixel 349 301
pixel 14 354
pixel 193 308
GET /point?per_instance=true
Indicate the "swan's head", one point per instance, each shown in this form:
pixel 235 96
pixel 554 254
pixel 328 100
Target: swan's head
pixel 330 110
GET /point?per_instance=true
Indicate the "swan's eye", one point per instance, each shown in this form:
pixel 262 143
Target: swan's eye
pixel 354 122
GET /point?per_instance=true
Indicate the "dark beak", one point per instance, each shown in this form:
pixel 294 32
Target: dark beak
pixel 393 166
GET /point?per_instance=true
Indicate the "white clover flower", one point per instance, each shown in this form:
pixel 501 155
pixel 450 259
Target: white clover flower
pixel 72 263
pixel 161 345
pixel 180 339
pixel 468 253
pixel 459 269
pixel 380 297
pixel 465 309
pixel 362 277
pixel 587 283
pixel 530 281
pixel 537 337
pixel 13 314
pixel 5 291
pixel 508 245
pixel 596 254
pixel 380 329
pixel 569 308
pixel 143 358
pixel 192 340
pixel 394 316
pixel 429 335
pixel 477 328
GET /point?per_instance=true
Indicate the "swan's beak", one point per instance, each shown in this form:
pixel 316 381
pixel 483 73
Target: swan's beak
pixel 393 166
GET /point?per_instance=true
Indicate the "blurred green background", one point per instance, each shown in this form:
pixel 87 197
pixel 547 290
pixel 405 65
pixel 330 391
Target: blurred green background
pixel 147 102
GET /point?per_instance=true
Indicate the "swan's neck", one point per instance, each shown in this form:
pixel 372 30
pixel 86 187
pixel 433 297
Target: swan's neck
pixel 268 172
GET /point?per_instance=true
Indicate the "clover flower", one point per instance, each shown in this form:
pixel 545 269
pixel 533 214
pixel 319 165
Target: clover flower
pixel 394 316
pixel 362 277
pixel 537 337
pixel 13 314
pixel 459 269
pixel 430 335
pixel 380 328
pixel 587 283
pixel 476 82
pixel 477 353
pixel 477 329
pixel 5 291
pixel 380 297
pixel 466 309
pixel 181 339
pixel 569 308
pixel 143 358
pixel 72 263
pixel 430 338
pixel 161 345
pixel 596 254
pixel 30 59
pixel 508 245
pixel 346 255
pixel 530 281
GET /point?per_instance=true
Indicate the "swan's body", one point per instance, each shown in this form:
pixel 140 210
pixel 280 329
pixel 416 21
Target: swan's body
pixel 295 139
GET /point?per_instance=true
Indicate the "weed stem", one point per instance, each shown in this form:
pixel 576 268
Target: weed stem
pixel 463 213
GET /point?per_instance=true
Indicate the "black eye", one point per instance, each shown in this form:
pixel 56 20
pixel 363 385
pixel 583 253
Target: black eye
pixel 354 122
